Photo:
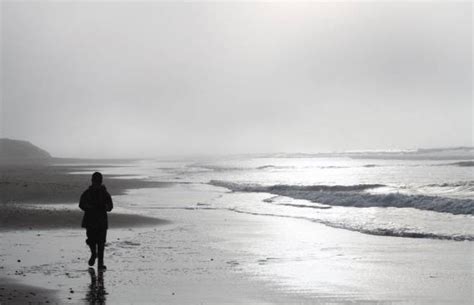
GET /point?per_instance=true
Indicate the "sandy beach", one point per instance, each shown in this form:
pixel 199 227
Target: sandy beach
pixel 24 192
pixel 174 244
pixel 44 255
pixel 52 183
pixel 249 152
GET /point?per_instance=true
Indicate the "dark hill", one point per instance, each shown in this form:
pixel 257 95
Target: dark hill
pixel 21 151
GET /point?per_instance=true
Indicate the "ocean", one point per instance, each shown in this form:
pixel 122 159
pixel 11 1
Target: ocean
pixel 345 228
pixel 416 194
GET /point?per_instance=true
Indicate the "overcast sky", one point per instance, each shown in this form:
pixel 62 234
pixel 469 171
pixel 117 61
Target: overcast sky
pixel 109 79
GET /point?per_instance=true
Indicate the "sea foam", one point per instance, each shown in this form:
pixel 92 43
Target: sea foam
pixel 355 196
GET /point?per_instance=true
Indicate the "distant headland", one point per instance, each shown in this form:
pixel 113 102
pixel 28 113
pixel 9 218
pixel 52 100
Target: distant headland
pixel 17 151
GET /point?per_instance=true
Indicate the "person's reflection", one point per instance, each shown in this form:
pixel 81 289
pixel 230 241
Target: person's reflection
pixel 96 293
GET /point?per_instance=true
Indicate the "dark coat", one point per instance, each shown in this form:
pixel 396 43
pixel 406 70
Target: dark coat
pixel 95 202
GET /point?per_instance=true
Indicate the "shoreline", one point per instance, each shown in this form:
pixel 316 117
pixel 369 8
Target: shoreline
pixel 15 218
pixel 26 188
pixel 54 183
pixel 210 254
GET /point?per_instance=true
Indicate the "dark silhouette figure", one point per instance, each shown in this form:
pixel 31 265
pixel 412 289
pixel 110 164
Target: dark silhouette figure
pixel 96 294
pixel 96 202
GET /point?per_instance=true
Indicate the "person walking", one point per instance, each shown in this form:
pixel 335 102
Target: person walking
pixel 96 202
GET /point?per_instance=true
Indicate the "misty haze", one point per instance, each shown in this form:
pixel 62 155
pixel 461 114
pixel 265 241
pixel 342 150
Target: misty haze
pixel 236 152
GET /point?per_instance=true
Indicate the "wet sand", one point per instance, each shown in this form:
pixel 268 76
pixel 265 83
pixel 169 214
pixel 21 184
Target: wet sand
pixel 26 195
pixel 49 183
pixel 25 190
pixel 14 293
pixel 150 259
pixel 212 256
pixel 14 217
pixel 205 253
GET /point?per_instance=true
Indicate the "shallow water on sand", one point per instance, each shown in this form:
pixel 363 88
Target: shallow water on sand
pixel 256 247
pixel 319 262
pixel 353 194
pixel 217 256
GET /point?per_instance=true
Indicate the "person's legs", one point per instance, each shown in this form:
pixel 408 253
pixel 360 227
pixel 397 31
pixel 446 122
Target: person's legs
pixel 91 241
pixel 100 252
pixel 100 248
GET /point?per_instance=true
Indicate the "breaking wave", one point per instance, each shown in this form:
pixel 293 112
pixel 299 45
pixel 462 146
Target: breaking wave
pixel 463 163
pixel 240 187
pixel 217 168
pixel 274 167
pixel 395 232
pixel 354 196
pixel 464 188
pixel 220 168
pixel 454 184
